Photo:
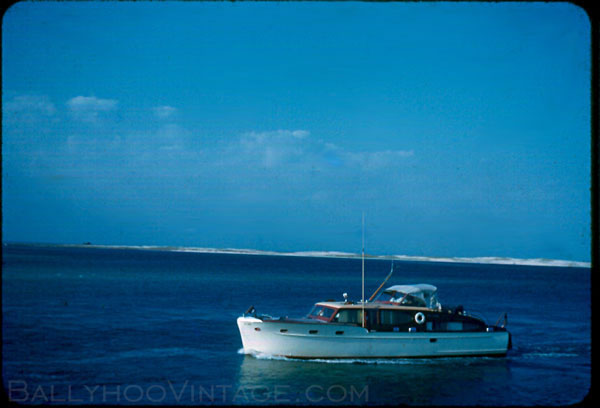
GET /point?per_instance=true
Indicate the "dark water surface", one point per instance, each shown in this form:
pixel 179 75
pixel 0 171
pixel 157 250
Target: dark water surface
pixel 125 326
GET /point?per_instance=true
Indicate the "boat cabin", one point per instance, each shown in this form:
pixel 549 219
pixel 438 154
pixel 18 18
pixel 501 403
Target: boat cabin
pixel 399 308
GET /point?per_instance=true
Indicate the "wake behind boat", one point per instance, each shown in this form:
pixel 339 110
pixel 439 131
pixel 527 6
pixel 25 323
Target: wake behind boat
pixel 402 321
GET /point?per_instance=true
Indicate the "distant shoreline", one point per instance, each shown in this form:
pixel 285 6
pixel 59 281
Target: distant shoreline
pixel 330 254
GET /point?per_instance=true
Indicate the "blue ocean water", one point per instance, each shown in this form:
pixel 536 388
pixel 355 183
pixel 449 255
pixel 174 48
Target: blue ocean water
pixel 141 327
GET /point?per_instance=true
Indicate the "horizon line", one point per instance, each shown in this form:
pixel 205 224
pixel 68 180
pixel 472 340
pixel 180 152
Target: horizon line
pixel 495 260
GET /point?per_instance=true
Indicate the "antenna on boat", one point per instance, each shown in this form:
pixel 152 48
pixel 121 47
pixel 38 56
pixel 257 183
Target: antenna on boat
pixel 363 270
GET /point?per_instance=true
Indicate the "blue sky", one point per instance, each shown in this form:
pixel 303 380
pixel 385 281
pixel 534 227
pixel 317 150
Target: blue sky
pixel 459 129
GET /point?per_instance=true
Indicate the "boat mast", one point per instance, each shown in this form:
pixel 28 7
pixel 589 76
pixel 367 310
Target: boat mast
pixel 363 269
pixel 383 283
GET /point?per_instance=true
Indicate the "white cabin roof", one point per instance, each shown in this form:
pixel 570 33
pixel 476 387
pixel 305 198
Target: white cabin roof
pixel 412 289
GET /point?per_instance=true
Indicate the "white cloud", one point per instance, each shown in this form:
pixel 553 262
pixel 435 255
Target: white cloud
pixel 295 151
pixel 300 134
pixel 377 160
pixel 28 108
pixel 171 137
pixel 280 135
pixel 273 148
pixel 164 112
pixel 88 108
pixel 291 157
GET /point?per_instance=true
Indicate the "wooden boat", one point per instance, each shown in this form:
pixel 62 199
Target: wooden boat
pixel 403 321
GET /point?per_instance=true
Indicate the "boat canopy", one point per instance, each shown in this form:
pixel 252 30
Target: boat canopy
pixel 421 294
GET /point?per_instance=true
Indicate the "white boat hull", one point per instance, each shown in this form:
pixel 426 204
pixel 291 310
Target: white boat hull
pixel 295 340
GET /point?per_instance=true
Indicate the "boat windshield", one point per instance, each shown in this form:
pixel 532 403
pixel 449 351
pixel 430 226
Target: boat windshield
pixel 421 295
pixel 321 313
pixel 402 299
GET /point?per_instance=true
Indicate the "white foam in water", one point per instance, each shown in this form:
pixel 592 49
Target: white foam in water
pixel 394 361
pixel 549 354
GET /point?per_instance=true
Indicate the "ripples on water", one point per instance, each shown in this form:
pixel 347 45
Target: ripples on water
pixel 105 326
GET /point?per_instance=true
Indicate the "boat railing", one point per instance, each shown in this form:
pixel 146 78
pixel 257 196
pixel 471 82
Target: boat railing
pixel 251 311
pixel 504 318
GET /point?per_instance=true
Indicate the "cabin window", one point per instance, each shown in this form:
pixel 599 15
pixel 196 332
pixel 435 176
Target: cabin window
pixel 394 317
pixel 454 326
pixel 469 326
pixel 321 312
pixel 348 316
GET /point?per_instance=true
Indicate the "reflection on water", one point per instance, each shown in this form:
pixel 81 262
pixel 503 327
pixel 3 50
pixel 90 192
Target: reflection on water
pixel 404 381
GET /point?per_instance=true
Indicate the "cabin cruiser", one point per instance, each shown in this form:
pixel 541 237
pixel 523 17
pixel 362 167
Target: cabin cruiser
pixel 402 321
